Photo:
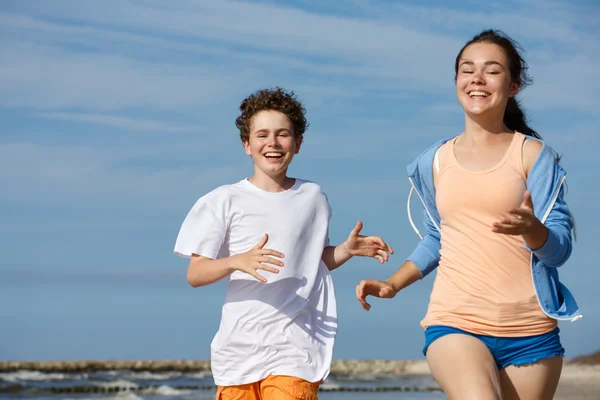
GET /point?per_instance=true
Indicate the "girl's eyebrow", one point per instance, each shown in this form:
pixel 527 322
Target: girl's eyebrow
pixel 486 63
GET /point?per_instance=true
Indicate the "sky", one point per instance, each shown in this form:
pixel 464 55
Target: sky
pixel 116 116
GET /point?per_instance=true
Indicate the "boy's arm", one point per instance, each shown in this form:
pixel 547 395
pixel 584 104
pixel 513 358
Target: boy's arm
pixel 335 256
pixel 203 271
pixel 356 245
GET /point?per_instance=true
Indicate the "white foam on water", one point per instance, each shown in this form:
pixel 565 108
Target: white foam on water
pixel 117 396
pixel 199 375
pixel 329 386
pixel 28 375
pixel 146 375
pixel 117 384
pixel 169 391
pixel 124 396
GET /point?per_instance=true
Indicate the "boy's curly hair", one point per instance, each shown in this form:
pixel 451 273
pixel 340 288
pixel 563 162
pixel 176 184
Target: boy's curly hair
pixel 276 99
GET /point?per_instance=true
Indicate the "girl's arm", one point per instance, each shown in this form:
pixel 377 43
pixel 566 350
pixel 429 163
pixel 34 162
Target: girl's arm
pixel 406 275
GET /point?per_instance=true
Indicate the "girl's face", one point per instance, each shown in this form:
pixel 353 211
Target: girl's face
pixel 483 81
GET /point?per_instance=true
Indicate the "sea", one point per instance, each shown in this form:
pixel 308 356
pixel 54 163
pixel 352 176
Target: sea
pixel 135 385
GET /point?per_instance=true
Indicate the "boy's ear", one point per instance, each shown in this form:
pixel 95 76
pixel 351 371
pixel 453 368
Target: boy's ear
pixel 298 143
pixel 247 147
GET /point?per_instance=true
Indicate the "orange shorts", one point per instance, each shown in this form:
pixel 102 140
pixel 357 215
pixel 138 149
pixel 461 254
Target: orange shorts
pixel 273 387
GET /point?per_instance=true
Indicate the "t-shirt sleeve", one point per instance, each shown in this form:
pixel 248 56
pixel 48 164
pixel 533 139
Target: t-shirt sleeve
pixel 203 231
pixel 328 214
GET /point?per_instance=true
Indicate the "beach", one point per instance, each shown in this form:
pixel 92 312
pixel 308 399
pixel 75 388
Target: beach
pixel 191 379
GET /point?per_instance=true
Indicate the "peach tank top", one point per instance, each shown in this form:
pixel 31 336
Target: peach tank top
pixel 483 283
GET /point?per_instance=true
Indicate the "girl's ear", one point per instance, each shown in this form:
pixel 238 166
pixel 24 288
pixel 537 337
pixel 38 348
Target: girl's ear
pixel 514 89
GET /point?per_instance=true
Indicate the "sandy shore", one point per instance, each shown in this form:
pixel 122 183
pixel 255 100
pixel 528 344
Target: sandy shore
pixel 578 382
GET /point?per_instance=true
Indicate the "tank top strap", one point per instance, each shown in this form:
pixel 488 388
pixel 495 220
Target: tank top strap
pixel 515 159
pixel 446 154
pixel 443 158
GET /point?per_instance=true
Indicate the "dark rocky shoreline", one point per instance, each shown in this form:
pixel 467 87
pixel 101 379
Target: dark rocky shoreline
pixel 337 367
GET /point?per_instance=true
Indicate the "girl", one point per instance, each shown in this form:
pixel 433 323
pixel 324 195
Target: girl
pixel 497 228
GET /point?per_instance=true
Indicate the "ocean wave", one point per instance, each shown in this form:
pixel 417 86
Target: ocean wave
pixel 28 375
pixel 124 396
pixel 330 386
pixel 120 384
pixel 117 396
pixel 170 391
pixel 151 376
pixel 199 375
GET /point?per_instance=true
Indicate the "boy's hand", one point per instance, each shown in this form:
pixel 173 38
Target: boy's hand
pixel 375 288
pixel 256 258
pixel 368 246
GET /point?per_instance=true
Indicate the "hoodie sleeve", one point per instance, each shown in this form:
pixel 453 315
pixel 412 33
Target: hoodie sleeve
pixel 427 254
pixel 557 249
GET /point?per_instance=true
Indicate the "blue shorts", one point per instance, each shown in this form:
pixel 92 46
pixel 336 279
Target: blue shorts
pixel 507 350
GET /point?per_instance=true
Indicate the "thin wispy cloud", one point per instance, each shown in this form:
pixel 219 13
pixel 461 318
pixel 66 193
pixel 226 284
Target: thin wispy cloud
pixel 125 51
pixel 120 122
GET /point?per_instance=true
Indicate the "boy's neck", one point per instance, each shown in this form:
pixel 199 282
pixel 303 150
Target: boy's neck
pixel 272 184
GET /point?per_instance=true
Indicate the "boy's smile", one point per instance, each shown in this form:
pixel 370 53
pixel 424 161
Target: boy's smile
pixel 272 145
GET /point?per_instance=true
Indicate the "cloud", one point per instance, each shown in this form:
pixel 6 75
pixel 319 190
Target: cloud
pixel 85 177
pixel 120 122
pixel 190 54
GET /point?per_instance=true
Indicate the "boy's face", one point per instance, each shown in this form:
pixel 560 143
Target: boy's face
pixel 271 143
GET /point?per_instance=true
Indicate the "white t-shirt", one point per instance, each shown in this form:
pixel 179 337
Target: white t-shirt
pixel 286 326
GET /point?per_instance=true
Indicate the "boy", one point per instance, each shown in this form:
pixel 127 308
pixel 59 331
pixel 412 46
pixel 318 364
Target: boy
pixel 279 320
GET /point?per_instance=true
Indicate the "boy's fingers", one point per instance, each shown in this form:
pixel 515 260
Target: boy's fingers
pixel 262 242
pixel 383 244
pixel 267 268
pixel 270 261
pixel 357 228
pixel 269 252
pixel 257 276
pixel 383 254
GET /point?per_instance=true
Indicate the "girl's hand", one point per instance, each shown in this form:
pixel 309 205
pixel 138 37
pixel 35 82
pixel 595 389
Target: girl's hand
pixel 375 288
pixel 521 221
pixel 518 221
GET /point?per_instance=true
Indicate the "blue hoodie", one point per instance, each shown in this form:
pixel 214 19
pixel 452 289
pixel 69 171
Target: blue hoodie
pixel 546 184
